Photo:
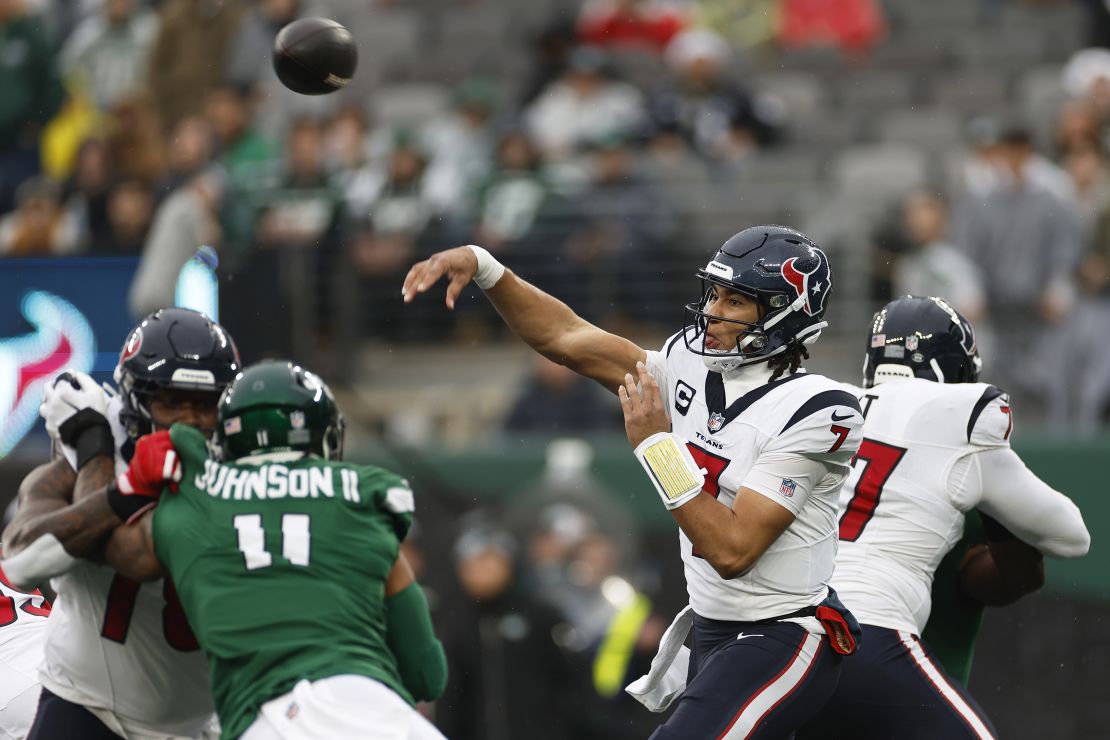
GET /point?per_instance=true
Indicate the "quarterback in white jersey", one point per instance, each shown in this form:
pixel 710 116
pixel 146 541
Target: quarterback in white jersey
pixel 23 619
pixel 936 445
pixel 120 659
pixel 746 450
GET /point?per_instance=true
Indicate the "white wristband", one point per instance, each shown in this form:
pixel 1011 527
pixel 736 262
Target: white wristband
pixel 671 468
pixel 489 269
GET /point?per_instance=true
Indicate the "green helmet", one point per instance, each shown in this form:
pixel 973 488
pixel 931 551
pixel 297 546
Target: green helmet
pixel 276 406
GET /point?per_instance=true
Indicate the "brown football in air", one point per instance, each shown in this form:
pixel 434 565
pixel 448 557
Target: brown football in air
pixel 315 56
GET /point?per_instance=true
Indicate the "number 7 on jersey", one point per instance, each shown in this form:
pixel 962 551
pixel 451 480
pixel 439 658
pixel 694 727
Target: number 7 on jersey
pixel 880 460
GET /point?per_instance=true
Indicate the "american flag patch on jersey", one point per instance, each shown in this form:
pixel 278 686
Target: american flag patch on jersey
pixel 234 425
pixel 787 487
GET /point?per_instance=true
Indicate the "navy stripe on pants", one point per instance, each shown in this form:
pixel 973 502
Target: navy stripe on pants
pixel 893 688
pixel 751 680
pixel 58 719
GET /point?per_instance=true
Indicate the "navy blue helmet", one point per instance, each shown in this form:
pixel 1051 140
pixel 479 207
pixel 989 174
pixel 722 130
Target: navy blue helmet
pixel 172 348
pixel 785 273
pixel 916 337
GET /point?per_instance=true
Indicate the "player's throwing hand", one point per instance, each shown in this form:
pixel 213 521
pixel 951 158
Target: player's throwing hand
pixel 644 414
pixel 460 265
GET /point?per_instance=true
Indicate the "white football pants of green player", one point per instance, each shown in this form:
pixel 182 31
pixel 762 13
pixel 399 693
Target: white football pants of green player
pixel 340 707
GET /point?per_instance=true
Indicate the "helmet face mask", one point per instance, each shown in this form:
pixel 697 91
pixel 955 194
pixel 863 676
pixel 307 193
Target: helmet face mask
pixel 277 406
pixel 173 349
pixel 785 274
pixel 918 337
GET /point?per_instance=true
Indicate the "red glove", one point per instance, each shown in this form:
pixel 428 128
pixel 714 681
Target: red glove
pixel 154 464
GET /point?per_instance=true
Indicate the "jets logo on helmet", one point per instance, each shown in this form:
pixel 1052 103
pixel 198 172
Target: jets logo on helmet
pixel 811 285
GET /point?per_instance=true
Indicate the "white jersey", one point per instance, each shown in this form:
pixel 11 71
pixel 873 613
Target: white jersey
pixel 902 508
pixel 801 422
pixel 23 619
pixel 122 649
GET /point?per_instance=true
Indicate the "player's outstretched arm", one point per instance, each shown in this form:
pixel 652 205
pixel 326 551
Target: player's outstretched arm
pixel 1028 507
pixel 421 661
pixel 730 539
pixel 49 533
pixel 544 322
pixel 130 550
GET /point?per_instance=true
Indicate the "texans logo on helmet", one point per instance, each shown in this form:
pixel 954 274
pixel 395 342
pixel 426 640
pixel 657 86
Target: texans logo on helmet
pixel 810 280
pixel 967 332
pixel 133 344
pixel 62 338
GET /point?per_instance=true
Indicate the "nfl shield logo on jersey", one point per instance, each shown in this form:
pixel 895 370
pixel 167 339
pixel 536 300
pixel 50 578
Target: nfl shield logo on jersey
pixel 787 487
pixel 911 342
pixel 296 419
pixel 716 421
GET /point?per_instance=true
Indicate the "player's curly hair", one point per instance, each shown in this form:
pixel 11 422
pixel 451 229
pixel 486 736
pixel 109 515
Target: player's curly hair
pixel 788 362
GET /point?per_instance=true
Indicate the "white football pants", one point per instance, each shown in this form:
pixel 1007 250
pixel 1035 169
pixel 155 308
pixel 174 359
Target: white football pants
pixel 340 707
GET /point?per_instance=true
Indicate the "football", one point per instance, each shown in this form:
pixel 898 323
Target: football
pixel 315 56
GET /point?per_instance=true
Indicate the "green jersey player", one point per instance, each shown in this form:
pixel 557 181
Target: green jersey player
pixel 286 562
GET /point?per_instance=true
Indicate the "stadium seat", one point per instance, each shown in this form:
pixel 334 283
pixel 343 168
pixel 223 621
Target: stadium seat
pixel 875 91
pixel 878 173
pixel 970 91
pixel 1040 96
pixel 801 92
pixel 930 129
pixel 398 105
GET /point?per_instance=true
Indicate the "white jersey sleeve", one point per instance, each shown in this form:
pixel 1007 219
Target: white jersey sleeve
pixel 786 478
pixel 993 478
pixel 1001 486
pixel 992 422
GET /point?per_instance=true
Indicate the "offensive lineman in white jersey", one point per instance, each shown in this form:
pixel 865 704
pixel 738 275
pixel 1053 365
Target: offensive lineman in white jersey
pixel 120 659
pixel 22 631
pixel 936 445
pixel 751 471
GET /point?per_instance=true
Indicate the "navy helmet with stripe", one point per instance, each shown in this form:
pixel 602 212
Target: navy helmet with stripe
pixel 172 349
pixel 918 337
pixel 785 273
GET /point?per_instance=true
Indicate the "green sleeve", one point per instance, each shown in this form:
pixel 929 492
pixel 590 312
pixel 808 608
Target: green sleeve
pixel 421 661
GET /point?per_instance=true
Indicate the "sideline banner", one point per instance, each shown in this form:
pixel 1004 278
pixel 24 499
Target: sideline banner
pixel 54 314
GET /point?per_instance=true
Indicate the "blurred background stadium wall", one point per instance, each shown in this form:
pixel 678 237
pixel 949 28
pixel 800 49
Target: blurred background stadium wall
pixel 603 150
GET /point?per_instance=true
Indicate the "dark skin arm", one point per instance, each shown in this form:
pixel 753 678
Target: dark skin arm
pixel 545 323
pixel 399 577
pixel 1000 573
pixel 45 507
pixel 130 549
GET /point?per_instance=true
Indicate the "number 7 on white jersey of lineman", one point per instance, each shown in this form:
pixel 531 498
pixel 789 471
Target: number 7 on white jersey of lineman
pixel 295 539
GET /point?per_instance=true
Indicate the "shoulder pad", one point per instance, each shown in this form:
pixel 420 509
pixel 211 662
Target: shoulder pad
pixel 673 340
pixel 393 496
pixel 828 425
pixel 991 421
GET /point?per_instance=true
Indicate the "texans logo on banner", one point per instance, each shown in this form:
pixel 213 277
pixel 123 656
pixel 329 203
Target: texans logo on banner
pixel 61 338
pixel 809 276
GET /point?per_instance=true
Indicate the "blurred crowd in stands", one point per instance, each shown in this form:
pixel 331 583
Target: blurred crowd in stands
pixel 602 148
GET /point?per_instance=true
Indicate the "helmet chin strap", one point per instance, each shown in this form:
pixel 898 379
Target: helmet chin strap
pixel 936 369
